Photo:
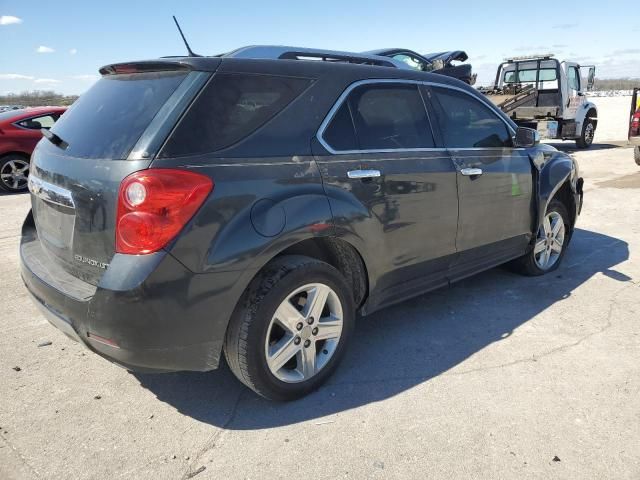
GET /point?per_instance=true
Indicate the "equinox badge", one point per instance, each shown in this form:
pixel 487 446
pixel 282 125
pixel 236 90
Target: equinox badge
pixel 91 261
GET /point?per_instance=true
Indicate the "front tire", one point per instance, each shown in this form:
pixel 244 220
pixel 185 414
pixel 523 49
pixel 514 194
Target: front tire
pixel 290 328
pixel 14 171
pixel 636 155
pixel 588 133
pixel 551 243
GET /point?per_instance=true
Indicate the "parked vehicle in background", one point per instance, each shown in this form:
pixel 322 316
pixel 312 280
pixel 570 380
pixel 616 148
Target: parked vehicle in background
pixel 548 95
pixel 191 206
pixel 634 124
pixel 4 108
pixel 20 131
pixel 441 63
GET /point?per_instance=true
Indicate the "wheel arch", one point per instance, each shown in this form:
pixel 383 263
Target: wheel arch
pixel 341 255
pixel 24 155
pixel 335 251
pixel 558 179
pixel 587 110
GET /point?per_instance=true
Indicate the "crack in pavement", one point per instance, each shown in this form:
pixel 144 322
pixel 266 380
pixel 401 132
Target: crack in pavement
pixel 553 351
pixel 210 444
pixel 23 460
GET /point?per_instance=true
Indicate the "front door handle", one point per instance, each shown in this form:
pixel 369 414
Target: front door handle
pixel 470 172
pixel 363 173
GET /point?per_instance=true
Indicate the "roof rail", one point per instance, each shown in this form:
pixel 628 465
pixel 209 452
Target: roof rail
pixel 275 52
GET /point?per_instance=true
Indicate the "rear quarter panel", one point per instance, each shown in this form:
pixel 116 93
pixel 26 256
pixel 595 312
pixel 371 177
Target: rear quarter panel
pixel 258 207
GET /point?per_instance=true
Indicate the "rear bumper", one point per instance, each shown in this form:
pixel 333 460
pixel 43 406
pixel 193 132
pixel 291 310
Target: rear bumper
pixel 149 313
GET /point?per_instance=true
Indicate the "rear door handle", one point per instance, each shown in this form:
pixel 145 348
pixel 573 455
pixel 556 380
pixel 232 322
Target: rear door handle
pixel 363 173
pixel 469 172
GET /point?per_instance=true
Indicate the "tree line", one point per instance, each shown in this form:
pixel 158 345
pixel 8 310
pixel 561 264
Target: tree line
pixel 35 98
pixel 616 84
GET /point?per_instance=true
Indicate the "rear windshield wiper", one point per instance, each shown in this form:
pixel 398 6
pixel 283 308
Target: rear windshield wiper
pixel 53 138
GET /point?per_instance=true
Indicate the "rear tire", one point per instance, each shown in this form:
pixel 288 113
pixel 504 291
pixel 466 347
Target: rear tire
pixel 290 328
pixel 551 243
pixel 636 155
pixel 14 171
pixel 586 136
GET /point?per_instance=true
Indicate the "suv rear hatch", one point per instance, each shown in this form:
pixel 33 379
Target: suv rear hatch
pixel 111 131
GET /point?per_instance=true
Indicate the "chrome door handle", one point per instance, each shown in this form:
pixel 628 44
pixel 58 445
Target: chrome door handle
pixel 363 173
pixel 469 172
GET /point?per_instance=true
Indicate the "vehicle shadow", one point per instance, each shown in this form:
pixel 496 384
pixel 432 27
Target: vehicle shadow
pixel 569 146
pixel 5 193
pixel 402 346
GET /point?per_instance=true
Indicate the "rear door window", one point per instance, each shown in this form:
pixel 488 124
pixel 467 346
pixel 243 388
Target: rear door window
pixel 385 117
pixel 230 108
pixel 466 122
pixel 107 120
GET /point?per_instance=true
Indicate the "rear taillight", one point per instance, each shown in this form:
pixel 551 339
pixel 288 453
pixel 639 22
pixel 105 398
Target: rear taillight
pixel 154 205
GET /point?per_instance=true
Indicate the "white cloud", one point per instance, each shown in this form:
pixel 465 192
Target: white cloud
pixel 43 49
pixel 46 80
pixel 9 20
pixel 14 76
pixel 88 77
pixel 73 51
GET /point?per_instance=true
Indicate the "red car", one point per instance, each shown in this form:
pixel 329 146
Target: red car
pixel 19 133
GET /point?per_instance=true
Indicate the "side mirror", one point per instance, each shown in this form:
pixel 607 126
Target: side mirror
pixel 527 137
pixel 591 78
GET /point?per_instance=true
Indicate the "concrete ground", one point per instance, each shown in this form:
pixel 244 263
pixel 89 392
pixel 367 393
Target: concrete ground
pixel 501 376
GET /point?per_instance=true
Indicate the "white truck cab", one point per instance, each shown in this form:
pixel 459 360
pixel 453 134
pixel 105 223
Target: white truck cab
pixel 544 93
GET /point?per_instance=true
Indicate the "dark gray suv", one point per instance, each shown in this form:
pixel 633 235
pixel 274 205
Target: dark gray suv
pixel 185 207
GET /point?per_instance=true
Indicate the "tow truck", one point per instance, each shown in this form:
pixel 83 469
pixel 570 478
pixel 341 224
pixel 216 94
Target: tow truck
pixel 548 95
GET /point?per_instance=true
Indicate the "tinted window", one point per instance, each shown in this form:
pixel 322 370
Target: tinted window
pixel 467 123
pixel 340 134
pixel 107 120
pixel 390 117
pixel 231 107
pixel 36 123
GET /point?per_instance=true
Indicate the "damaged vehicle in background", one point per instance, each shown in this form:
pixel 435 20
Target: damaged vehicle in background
pixel 441 63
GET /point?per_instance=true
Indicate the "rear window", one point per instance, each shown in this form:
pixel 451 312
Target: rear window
pixel 231 107
pixel 526 76
pixel 107 120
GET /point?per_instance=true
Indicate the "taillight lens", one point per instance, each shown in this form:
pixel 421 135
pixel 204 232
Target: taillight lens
pixel 154 205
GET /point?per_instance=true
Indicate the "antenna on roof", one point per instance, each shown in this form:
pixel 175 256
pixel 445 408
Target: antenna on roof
pixel 191 54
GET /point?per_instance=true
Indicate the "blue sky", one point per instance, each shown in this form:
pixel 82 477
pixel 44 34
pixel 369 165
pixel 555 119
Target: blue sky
pixel 60 45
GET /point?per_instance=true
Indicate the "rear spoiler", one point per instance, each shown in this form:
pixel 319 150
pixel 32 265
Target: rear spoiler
pixel 168 64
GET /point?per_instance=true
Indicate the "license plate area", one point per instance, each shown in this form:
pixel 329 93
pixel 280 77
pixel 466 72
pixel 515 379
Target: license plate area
pixel 548 129
pixel 55 224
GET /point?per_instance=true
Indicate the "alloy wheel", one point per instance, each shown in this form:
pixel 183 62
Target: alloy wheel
pixel 304 333
pixel 14 174
pixel 550 241
pixel 589 133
